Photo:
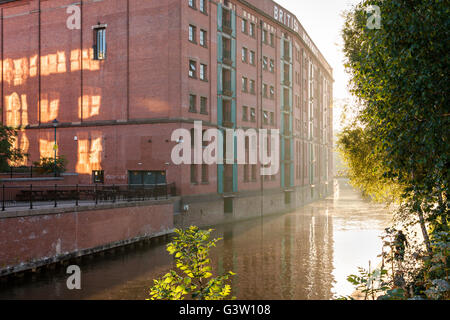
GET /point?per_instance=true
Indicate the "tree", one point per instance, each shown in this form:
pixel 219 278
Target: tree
pixel 8 152
pixel 399 73
pixel 191 251
pixel 365 167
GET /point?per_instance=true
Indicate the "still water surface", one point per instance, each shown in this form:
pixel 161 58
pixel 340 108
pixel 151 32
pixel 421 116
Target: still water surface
pixel 306 254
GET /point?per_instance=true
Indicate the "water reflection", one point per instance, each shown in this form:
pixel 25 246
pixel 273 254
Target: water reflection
pixel 306 254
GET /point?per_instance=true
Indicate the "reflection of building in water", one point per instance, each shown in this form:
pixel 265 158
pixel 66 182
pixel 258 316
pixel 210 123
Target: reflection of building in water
pixel 289 257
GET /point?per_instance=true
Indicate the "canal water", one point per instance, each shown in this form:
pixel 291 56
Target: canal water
pixel 305 254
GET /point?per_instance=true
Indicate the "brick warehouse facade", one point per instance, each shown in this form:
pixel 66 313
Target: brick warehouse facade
pixel 133 71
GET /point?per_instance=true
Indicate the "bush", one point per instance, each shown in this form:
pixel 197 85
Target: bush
pixel 49 165
pixel 191 251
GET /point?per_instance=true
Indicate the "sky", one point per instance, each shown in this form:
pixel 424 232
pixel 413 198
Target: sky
pixel 323 22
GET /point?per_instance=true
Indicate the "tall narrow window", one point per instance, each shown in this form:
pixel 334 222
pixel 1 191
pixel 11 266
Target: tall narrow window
pixel 194 174
pixel 203 38
pixel 252 30
pixel 252 57
pixel 272 92
pixel 192 32
pixel 191 3
pixel 99 42
pixel 203 72
pixel 265 63
pixel 266 117
pixel 203 105
pixel 244 84
pixel 253 115
pixel 192 103
pixel 244 113
pixel 272 65
pixel 205 178
pixel 244 54
pixel 244 26
pixel 203 6
pixel 254 167
pixel 192 69
pixel 252 86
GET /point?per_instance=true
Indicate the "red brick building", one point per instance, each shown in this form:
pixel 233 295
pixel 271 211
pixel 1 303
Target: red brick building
pixel 121 75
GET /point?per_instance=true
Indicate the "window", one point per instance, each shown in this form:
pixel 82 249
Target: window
pixel 244 113
pixel 272 118
pixel 98 176
pixel 99 43
pixel 264 36
pixel 244 55
pixel 203 38
pixel 252 86
pixel 298 125
pixel 203 6
pixel 265 63
pixel 203 105
pixel 205 177
pixel 252 30
pixel 192 69
pixel 203 72
pixel 272 40
pixel 264 88
pixel 254 172
pixel 272 92
pixel 192 32
pixel 244 26
pixel 252 115
pixel 194 174
pixel 266 117
pixel 244 84
pixel 192 103
pixel 252 57
pixel 192 3
pixel 246 173
pixel 272 65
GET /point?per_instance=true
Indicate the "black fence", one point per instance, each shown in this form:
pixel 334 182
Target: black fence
pixel 33 196
pixel 27 172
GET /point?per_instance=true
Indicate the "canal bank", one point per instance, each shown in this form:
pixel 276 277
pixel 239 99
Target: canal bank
pixel 32 239
pixel 304 254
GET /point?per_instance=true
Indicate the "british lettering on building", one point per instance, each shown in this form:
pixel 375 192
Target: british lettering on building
pixel 120 76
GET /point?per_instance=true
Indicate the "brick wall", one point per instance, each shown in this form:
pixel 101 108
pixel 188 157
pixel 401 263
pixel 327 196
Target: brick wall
pixel 29 239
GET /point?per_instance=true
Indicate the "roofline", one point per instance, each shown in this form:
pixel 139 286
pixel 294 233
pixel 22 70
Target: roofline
pixel 320 57
pixel 267 15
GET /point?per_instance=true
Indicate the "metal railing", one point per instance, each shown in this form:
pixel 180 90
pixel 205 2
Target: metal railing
pixel 26 172
pixel 32 196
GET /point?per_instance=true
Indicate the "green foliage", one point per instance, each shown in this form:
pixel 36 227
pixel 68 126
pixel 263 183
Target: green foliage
pixel 370 283
pixel 48 165
pixel 399 73
pixel 436 268
pixel 418 277
pixel 190 249
pixel 8 153
pixel 365 167
pixel 399 143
